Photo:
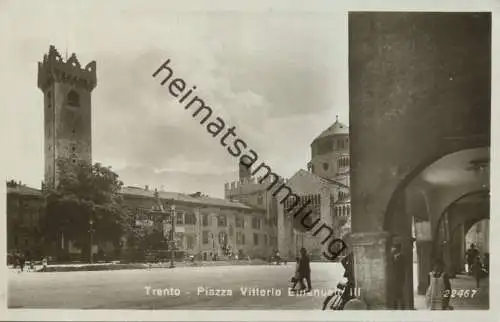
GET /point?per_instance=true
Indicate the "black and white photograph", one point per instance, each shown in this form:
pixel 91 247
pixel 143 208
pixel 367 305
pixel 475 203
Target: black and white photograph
pixel 161 156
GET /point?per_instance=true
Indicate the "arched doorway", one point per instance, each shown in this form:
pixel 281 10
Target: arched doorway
pixel 424 213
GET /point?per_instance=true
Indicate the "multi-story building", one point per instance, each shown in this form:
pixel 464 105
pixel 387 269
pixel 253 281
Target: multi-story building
pixel 205 225
pixel 326 184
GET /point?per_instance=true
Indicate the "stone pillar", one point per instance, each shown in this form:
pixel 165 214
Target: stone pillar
pixel 325 206
pixel 447 245
pixel 424 245
pixel 370 266
pixel 401 229
pixel 283 231
pixel 459 250
pixel 197 229
pixel 424 253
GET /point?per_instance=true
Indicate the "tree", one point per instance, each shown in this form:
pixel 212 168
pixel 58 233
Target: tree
pixel 85 192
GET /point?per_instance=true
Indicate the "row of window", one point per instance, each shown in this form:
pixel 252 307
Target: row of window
pixel 343 195
pixel 327 145
pixel 343 162
pixel 343 210
pixel 190 219
pixel 208 237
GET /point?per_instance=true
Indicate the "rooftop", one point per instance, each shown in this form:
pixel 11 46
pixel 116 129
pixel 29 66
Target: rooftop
pixel 22 189
pixel 197 198
pixel 336 128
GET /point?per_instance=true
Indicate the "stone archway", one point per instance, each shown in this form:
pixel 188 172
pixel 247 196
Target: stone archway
pixel 408 110
pixel 447 181
pixel 453 224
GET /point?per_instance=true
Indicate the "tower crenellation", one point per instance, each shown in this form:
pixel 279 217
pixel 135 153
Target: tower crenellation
pixel 54 68
pixel 67 88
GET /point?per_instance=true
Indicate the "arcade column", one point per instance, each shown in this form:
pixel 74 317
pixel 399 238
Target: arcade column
pixel 284 234
pixel 370 267
pixel 458 250
pixel 401 233
pixel 424 253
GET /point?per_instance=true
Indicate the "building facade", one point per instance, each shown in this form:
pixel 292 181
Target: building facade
pixel 325 183
pixel 205 226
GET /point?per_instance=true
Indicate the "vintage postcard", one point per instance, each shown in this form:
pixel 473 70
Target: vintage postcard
pixel 247 160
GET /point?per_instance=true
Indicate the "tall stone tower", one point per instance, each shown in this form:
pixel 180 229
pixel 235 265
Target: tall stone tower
pixel 67 91
pixel 330 153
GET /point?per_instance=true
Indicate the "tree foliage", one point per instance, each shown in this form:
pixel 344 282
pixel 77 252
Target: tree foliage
pixel 86 192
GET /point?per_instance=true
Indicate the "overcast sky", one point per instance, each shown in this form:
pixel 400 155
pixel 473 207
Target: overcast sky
pixel 278 76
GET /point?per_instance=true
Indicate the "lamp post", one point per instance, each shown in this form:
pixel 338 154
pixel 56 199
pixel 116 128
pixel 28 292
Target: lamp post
pixel 91 231
pixel 213 245
pixel 172 241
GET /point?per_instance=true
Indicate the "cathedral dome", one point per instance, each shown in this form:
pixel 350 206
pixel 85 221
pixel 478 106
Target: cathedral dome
pixel 336 128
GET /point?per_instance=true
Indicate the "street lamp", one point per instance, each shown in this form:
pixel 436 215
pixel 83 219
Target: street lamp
pixel 91 231
pixel 172 241
pixel 213 245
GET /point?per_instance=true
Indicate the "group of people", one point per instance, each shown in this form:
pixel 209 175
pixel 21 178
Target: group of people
pixel 22 262
pixel 19 261
pixel 439 291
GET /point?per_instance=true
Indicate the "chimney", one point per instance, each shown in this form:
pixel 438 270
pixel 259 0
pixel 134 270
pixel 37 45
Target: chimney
pixel 146 187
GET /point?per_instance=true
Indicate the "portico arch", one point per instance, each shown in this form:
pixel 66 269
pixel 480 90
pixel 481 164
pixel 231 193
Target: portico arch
pixel 453 224
pixel 406 113
pixel 473 219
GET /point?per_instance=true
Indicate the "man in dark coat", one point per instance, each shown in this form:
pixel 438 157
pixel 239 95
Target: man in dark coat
pixel 305 268
pixel 348 263
pixel 399 266
pixel 471 255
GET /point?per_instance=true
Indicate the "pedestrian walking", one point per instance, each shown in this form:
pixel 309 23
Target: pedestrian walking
pixel 296 277
pixel 45 262
pixel 477 270
pixel 486 263
pixel 438 292
pixel 399 266
pixel 348 263
pixel 22 261
pixel 471 255
pixel 305 268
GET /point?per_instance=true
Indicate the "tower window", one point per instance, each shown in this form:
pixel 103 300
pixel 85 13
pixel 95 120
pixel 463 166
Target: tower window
pixel 73 148
pixel 74 161
pixel 73 98
pixel 325 166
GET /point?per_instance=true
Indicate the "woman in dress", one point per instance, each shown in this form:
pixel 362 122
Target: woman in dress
pixel 438 293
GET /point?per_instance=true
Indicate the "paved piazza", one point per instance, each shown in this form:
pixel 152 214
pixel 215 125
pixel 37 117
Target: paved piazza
pixel 127 289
